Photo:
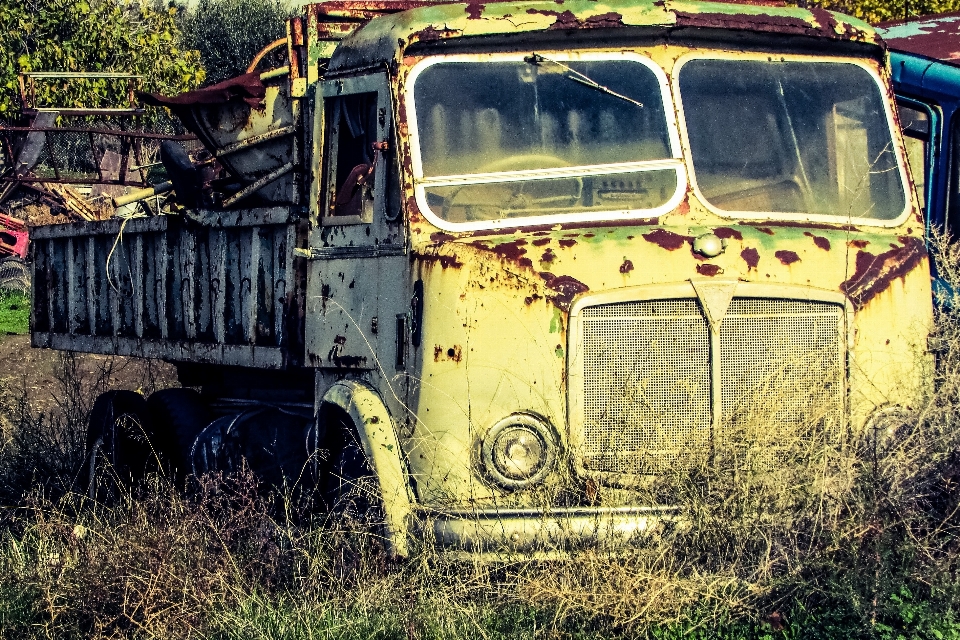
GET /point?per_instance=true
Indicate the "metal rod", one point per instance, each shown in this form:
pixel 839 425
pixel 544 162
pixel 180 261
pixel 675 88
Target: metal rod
pixel 142 194
pixel 254 140
pixel 259 184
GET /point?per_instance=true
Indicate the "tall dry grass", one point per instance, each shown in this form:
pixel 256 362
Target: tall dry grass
pixel 818 532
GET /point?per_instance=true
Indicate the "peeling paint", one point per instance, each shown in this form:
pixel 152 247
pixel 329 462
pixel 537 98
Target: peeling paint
pixel 626 267
pixel 667 239
pixel 820 241
pixel 548 256
pixel 874 273
pixel 725 233
pixel 787 257
pixel 709 269
pixel 569 20
pixel 566 243
pixel 566 288
pixel 858 244
pixel 751 256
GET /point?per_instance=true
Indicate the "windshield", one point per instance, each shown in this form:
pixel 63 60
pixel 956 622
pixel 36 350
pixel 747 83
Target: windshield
pixel 792 137
pixel 542 135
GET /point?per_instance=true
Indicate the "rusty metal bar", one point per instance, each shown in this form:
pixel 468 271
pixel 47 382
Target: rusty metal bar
pixel 259 184
pixel 257 139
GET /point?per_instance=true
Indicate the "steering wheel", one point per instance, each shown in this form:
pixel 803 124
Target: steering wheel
pixel 493 200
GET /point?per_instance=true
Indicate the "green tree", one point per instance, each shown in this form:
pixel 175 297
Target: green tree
pixel 875 11
pixel 229 33
pixel 121 36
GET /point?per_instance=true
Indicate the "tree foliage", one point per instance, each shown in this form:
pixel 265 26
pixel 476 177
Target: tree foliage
pixel 875 11
pixel 229 33
pixel 120 36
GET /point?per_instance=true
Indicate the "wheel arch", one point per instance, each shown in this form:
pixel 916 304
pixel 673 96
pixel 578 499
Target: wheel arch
pixel 381 446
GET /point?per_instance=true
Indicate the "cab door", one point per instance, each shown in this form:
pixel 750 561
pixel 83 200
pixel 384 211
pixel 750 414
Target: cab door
pixel 356 290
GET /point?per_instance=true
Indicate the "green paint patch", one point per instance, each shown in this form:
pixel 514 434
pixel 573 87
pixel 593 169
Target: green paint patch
pixel 556 322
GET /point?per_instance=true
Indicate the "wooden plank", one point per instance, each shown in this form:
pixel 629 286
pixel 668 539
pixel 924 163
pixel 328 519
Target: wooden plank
pixel 163 268
pixel 90 266
pixel 137 285
pixel 252 268
pixel 71 299
pixel 218 283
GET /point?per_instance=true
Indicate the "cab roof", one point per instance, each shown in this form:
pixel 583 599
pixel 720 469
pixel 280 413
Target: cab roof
pixel 384 39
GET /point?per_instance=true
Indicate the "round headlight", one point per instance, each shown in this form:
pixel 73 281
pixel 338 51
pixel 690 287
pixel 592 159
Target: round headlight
pixel 518 451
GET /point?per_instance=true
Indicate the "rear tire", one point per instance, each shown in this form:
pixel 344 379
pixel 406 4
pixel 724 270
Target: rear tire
pixel 177 417
pixel 119 443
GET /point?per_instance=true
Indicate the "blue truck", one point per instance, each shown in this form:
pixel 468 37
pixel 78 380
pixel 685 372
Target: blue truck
pixel 925 65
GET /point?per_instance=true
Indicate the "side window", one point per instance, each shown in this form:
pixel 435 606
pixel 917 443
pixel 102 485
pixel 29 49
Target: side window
pixel 917 138
pixel 953 192
pixel 354 145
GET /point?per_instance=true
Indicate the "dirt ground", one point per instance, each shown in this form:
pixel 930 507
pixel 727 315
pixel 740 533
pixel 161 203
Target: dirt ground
pixel 42 373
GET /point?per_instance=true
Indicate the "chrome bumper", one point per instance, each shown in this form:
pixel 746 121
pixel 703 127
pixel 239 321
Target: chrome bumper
pixel 533 531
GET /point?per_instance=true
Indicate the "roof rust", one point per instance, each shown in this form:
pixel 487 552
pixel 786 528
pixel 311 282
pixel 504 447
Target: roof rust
pixel 385 39
pixel 935 37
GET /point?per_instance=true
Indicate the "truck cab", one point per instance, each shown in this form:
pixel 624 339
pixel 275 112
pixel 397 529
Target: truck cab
pixel 542 254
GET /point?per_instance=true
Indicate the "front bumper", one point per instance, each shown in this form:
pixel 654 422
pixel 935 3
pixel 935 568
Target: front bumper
pixel 539 532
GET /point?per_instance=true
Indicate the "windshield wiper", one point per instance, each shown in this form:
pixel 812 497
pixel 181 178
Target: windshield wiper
pixel 572 74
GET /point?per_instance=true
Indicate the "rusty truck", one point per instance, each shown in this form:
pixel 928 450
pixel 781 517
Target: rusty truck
pixel 502 263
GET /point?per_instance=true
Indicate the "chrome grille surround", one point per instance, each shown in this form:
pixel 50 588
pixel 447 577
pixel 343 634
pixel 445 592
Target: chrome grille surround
pixel 645 389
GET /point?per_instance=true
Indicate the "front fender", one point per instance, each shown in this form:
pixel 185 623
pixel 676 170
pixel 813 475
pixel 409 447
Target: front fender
pixel 382 448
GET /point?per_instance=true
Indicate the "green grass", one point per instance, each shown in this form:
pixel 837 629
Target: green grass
pixel 14 313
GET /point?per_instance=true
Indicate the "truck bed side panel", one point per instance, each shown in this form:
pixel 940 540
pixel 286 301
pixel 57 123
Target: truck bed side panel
pixel 222 291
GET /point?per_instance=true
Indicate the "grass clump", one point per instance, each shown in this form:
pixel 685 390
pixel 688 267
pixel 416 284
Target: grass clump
pixel 819 533
pixel 14 312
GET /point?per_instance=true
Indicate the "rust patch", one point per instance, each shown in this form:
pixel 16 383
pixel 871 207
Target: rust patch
pixel 566 243
pixel 432 34
pixel 509 250
pixel 474 10
pixel 858 244
pixel 548 256
pixel 440 236
pixel 766 230
pixel 454 353
pixel 626 267
pixel 874 273
pixel 751 256
pixel 539 242
pixel 445 261
pixel 787 257
pixel 708 269
pixel 825 26
pixel 820 241
pixel 568 20
pixel 796 224
pixel 529 300
pixel 725 233
pixel 667 239
pixel 565 287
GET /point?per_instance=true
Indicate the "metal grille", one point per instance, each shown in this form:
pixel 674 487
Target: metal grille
pixel 647 380
pixel 646 384
pixel 782 367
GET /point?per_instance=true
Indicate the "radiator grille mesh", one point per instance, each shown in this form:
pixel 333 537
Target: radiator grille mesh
pixel 647 378
pixel 647 383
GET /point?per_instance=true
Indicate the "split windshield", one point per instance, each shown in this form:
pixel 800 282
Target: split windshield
pixel 543 136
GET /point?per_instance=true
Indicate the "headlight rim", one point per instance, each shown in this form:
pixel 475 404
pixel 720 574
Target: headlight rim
pixel 524 420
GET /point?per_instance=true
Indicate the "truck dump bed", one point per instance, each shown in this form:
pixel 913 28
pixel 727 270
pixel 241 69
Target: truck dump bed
pixel 210 288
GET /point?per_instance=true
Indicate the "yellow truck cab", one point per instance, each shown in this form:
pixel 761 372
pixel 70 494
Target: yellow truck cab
pixel 550 250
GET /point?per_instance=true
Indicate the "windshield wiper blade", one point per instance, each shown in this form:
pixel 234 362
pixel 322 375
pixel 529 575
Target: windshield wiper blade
pixel 576 76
